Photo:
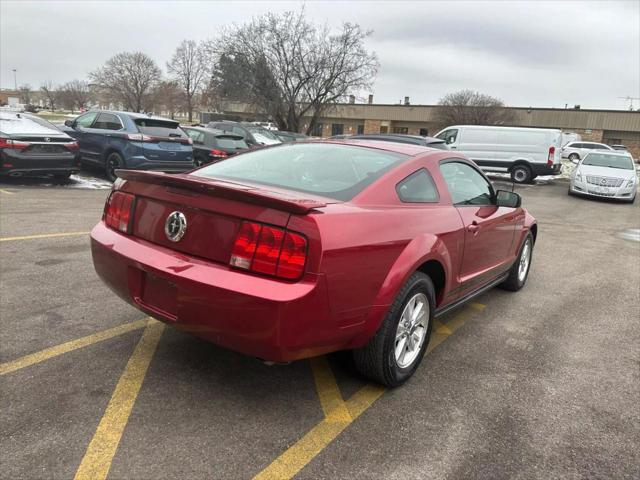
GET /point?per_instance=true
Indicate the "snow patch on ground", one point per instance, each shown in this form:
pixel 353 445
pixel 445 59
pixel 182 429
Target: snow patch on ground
pixel 88 182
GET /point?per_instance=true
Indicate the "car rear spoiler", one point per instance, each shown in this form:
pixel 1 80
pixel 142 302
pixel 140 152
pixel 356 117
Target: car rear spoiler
pixel 224 189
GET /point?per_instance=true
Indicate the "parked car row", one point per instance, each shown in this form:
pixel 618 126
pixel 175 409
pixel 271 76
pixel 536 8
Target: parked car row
pixel 112 140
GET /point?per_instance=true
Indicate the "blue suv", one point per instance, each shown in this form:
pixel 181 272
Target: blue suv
pixel 115 140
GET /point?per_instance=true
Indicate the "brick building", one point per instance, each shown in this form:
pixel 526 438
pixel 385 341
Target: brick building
pixel 606 126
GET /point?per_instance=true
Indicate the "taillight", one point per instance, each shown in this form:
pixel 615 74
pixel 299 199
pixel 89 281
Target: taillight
pixel 72 147
pixel 13 144
pixel 269 250
pixel 119 211
pixel 140 137
pixel 218 153
pixel 552 151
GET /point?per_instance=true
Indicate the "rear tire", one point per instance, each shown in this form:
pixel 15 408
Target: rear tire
pixel 519 271
pixel 574 156
pixel 114 161
pixel 521 174
pixel 393 355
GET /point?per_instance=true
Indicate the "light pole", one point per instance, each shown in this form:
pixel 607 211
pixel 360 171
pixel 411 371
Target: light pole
pixel 15 81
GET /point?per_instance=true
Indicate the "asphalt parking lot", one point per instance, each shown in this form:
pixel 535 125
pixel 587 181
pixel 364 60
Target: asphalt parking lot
pixel 544 383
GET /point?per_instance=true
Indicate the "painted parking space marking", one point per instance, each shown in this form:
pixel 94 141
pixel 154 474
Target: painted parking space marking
pixel 6 192
pixel 296 457
pixel 97 460
pixel 71 345
pixel 44 235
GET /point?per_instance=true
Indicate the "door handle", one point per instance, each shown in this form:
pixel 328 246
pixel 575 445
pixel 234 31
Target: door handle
pixel 453 147
pixel 473 228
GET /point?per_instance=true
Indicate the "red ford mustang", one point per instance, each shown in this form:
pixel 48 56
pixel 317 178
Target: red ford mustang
pixel 297 250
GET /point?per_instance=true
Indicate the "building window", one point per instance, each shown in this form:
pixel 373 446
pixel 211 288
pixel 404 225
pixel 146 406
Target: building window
pixel 360 129
pixel 403 130
pixel 337 129
pixel 384 129
pixel 424 132
pixel 317 130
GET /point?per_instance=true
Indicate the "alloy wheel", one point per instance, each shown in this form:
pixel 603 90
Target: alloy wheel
pixel 412 330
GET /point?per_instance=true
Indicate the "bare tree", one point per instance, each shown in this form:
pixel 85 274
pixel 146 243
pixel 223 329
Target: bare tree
pixel 50 94
pixel 168 97
pixel 189 67
pixel 128 78
pixel 74 95
pixel 467 107
pixel 25 93
pixel 291 68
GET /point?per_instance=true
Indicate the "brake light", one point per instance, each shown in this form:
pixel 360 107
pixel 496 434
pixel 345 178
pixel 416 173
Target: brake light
pixel 118 211
pixel 72 147
pixel 13 144
pixel 552 151
pixel 219 153
pixel 269 250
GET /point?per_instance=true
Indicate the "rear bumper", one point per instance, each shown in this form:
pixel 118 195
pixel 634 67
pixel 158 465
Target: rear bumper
pixel 544 169
pixel 19 164
pixel 144 163
pixel 262 317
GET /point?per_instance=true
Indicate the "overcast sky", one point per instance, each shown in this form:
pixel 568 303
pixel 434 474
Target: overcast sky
pixel 533 53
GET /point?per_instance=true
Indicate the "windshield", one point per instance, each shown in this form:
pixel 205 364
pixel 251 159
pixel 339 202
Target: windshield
pixel 334 171
pixel 607 160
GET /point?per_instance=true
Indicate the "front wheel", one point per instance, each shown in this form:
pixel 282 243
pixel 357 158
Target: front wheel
pixel 520 270
pixel 392 356
pixel 114 162
pixel 521 174
pixel 574 156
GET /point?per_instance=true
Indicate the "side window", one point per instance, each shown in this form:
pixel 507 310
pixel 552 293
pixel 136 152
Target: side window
pixel 86 120
pixel 107 121
pixel 449 136
pixel 417 188
pixel 466 185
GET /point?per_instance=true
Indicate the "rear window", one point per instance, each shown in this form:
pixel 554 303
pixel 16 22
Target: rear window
pixel 158 127
pixel 231 142
pixel 334 171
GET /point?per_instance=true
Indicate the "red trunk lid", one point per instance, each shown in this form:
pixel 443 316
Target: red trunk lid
pixel 213 209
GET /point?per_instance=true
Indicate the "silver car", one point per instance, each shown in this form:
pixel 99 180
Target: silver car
pixel 605 174
pixel 577 150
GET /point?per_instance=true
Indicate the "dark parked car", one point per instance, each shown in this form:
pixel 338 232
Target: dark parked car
pixel 290 136
pixel 399 138
pixel 115 140
pixel 211 145
pixel 297 250
pixel 254 135
pixel 30 145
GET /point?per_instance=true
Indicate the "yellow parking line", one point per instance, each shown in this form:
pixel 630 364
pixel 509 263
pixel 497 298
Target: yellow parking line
pixel 44 235
pixel 338 413
pixel 97 460
pixel 6 191
pixel 331 400
pixel 66 347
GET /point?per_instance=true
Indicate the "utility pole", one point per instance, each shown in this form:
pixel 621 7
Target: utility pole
pixel 15 81
pixel 631 99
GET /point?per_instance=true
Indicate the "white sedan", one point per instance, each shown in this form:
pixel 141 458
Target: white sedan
pixel 605 174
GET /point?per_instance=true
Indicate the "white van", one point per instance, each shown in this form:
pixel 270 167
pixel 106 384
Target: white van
pixel 523 152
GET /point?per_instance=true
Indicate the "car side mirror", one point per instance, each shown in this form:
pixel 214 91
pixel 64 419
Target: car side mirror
pixel 68 123
pixel 508 199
